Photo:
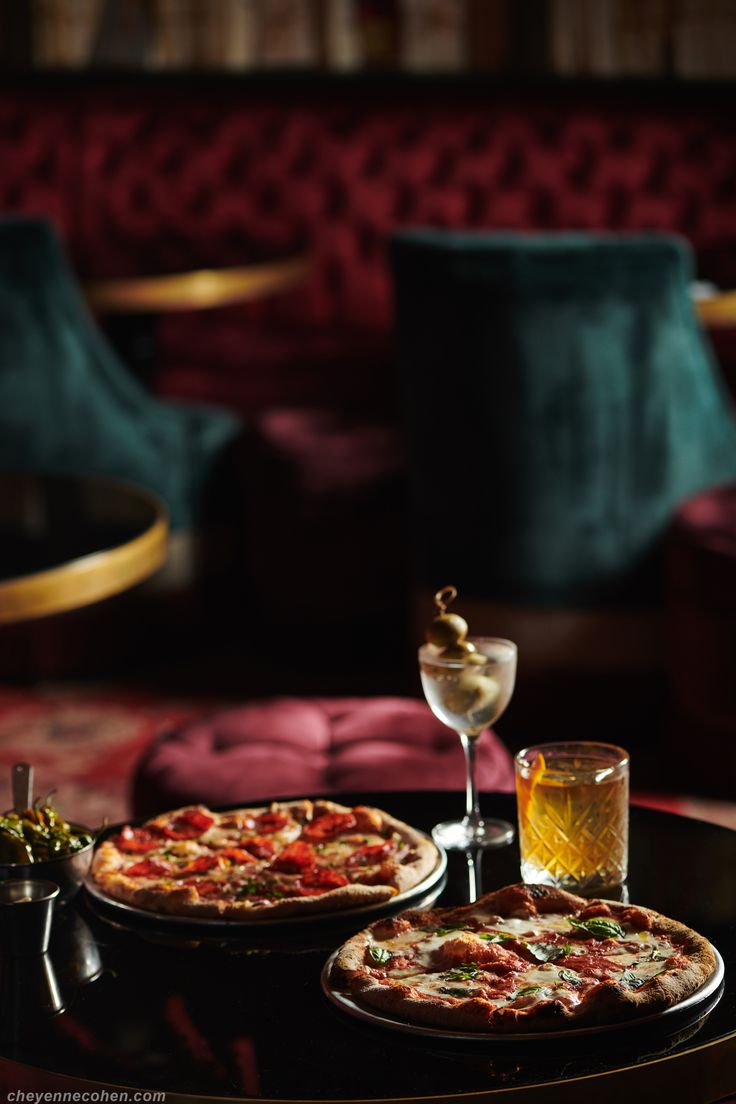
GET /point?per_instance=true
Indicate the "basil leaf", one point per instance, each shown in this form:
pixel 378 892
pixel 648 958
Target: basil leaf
pixel 599 927
pixel 632 980
pixel 657 956
pixel 448 989
pixel 495 937
pixel 465 972
pixel 566 950
pixel 249 889
pixel 528 989
pixel 379 954
pixel 570 978
pixel 545 952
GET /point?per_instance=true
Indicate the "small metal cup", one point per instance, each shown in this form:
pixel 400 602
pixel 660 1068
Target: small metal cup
pixel 26 909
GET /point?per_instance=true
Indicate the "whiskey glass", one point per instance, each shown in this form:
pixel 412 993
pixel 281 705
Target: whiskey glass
pixel 573 803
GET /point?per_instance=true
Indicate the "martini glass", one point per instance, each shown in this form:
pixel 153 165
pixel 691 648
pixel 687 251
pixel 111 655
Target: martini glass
pixel 468 694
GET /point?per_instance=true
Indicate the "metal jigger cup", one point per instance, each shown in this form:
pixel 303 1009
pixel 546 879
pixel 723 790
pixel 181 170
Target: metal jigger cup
pixel 26 910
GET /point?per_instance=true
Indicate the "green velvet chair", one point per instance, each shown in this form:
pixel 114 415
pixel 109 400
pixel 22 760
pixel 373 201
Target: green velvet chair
pixel 68 405
pixel 561 402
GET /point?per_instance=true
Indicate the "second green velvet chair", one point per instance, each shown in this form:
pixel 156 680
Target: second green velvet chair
pixel 561 402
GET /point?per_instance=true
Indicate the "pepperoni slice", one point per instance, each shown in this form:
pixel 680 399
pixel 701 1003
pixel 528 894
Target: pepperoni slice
pixel 188 826
pixel 328 826
pixel 295 858
pixel 147 868
pixel 236 855
pixel 371 854
pixel 205 888
pixel 260 846
pixel 199 865
pixel 135 841
pixel 271 822
pixel 324 879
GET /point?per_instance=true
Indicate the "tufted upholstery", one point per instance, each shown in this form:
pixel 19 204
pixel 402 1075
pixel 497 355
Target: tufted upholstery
pixel 170 174
pixel 580 379
pixel 701 608
pixel 165 177
pixel 289 746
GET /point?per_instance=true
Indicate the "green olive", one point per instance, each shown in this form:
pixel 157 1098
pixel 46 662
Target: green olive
pixel 447 629
pixel 476 658
pixel 462 650
pixel 471 693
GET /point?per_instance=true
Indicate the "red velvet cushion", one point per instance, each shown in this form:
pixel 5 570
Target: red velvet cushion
pixel 289 747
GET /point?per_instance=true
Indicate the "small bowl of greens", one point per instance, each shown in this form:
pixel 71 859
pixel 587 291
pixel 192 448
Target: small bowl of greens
pixel 40 845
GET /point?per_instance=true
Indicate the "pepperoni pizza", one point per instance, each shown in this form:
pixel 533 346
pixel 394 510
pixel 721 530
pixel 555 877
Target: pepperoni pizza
pixel 287 859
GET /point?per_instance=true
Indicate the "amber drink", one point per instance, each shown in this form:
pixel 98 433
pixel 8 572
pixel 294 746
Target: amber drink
pixel 573 801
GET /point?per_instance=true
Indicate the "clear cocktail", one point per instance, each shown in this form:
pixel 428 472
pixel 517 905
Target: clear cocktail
pixel 468 693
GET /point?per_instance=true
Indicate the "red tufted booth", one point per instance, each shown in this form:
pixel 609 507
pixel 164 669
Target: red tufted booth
pixel 169 175
pixel 161 175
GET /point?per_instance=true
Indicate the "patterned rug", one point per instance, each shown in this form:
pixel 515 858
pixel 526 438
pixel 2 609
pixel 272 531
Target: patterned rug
pixel 84 744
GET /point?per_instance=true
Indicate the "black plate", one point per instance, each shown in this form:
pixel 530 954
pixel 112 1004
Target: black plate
pixel 424 894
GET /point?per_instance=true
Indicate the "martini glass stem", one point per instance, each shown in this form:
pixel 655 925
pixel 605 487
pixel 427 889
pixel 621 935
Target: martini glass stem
pixel 472 806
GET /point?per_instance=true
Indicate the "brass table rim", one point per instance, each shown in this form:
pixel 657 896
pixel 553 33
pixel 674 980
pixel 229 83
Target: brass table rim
pixel 92 577
pixel 199 289
pixel 717 310
pixel 477 1095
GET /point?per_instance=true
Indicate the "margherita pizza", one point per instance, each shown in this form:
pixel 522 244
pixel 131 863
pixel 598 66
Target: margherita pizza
pixel 525 958
pixel 286 859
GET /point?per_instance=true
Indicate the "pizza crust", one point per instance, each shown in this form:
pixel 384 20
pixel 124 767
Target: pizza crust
pixel 419 861
pixel 609 1002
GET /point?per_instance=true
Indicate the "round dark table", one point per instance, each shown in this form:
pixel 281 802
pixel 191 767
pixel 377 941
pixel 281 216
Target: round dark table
pixel 248 1020
pixel 68 541
pixel 131 305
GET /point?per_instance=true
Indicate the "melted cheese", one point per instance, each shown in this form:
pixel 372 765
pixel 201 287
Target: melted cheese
pixel 645 961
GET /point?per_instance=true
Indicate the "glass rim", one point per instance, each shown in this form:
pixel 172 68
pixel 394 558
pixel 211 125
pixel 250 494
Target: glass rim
pixel 448 662
pixel 622 758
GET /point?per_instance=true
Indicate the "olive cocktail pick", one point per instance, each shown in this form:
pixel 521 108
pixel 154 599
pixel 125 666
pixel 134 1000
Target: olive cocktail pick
pixel 468 682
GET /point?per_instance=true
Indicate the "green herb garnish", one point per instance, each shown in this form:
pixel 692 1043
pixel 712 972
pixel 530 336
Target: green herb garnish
pixel 441 931
pixel 527 989
pixel 465 972
pixel 545 952
pixel 632 980
pixel 496 936
pixel 657 956
pixel 570 978
pixel 249 889
pixel 599 927
pixel 379 954
pixel 448 989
